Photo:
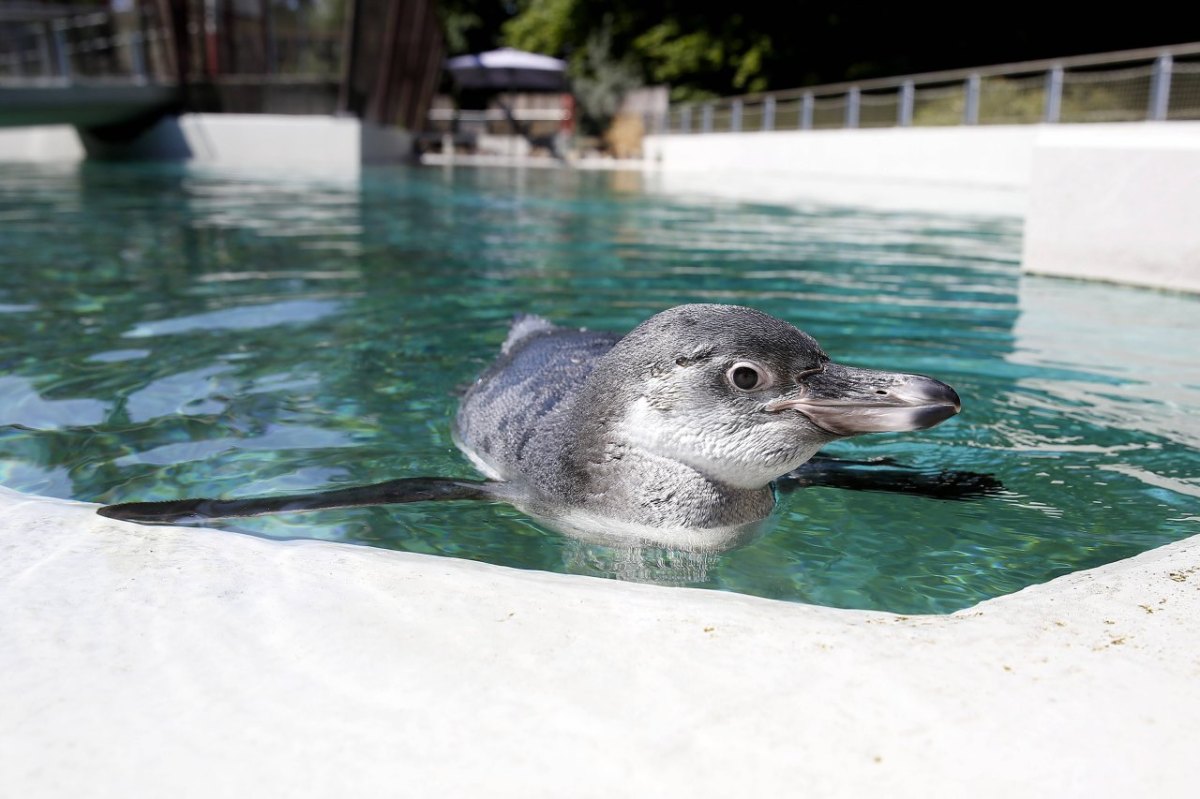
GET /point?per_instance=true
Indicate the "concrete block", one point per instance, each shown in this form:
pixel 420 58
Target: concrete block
pixel 314 144
pixel 263 140
pixel 996 155
pixel 40 143
pixel 1118 203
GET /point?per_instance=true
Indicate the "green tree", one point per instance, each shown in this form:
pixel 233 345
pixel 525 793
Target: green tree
pixel 473 26
pixel 600 79
pixel 698 52
pixel 702 47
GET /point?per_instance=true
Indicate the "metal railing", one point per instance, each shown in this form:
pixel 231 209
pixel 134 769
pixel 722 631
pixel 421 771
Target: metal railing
pixel 132 46
pixel 1160 83
pixel 88 46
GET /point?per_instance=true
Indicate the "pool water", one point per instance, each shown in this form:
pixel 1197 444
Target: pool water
pixel 169 331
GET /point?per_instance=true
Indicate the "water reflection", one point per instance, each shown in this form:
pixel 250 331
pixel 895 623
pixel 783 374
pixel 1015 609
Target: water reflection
pixel 640 564
pixel 1124 357
pixel 242 317
pixel 25 406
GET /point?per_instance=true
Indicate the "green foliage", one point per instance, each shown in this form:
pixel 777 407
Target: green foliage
pixel 700 52
pixel 947 109
pixel 675 56
pixel 457 24
pixel 703 48
pixel 1007 101
pixel 600 80
pixel 472 26
pixel 1093 103
pixel 547 26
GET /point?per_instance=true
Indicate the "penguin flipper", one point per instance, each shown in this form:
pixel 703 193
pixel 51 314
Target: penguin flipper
pixel 888 476
pixel 403 490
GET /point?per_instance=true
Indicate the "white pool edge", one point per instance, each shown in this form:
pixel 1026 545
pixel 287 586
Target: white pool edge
pixel 137 659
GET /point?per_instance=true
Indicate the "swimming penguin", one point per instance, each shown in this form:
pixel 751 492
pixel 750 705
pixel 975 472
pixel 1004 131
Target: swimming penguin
pixel 683 424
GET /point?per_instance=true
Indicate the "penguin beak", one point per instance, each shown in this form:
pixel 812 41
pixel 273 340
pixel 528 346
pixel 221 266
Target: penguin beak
pixel 846 401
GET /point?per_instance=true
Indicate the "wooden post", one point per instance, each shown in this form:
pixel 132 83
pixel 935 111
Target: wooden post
pixel 349 51
pixel 376 105
pixel 212 58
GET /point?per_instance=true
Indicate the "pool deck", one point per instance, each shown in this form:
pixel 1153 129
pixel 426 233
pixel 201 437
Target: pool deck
pixel 161 661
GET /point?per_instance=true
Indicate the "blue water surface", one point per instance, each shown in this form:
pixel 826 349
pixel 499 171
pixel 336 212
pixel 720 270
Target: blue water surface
pixel 168 331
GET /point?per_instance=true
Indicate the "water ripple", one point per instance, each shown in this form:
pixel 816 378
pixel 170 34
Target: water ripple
pixel 170 331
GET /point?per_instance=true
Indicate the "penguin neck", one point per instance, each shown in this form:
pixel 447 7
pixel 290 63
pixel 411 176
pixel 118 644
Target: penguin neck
pixel 612 472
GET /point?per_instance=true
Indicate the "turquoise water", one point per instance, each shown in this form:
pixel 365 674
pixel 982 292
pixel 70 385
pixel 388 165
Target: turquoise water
pixel 170 332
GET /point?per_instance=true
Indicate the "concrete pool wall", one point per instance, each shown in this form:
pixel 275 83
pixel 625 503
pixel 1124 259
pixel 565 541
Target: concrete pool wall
pixel 261 141
pixel 163 661
pixel 1112 202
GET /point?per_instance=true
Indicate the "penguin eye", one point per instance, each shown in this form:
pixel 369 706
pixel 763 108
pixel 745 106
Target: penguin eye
pixel 747 376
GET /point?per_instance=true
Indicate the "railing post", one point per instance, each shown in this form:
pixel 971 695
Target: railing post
pixel 806 111
pixel 768 120
pixel 706 118
pixel 904 114
pixel 971 108
pixel 685 119
pixel 852 100
pixel 44 49
pixel 60 49
pixel 1054 86
pixel 137 54
pixel 1160 88
pixel 735 116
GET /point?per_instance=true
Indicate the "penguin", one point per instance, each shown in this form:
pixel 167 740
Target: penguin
pixel 676 432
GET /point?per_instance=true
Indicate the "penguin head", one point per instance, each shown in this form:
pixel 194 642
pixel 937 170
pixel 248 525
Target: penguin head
pixel 744 397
